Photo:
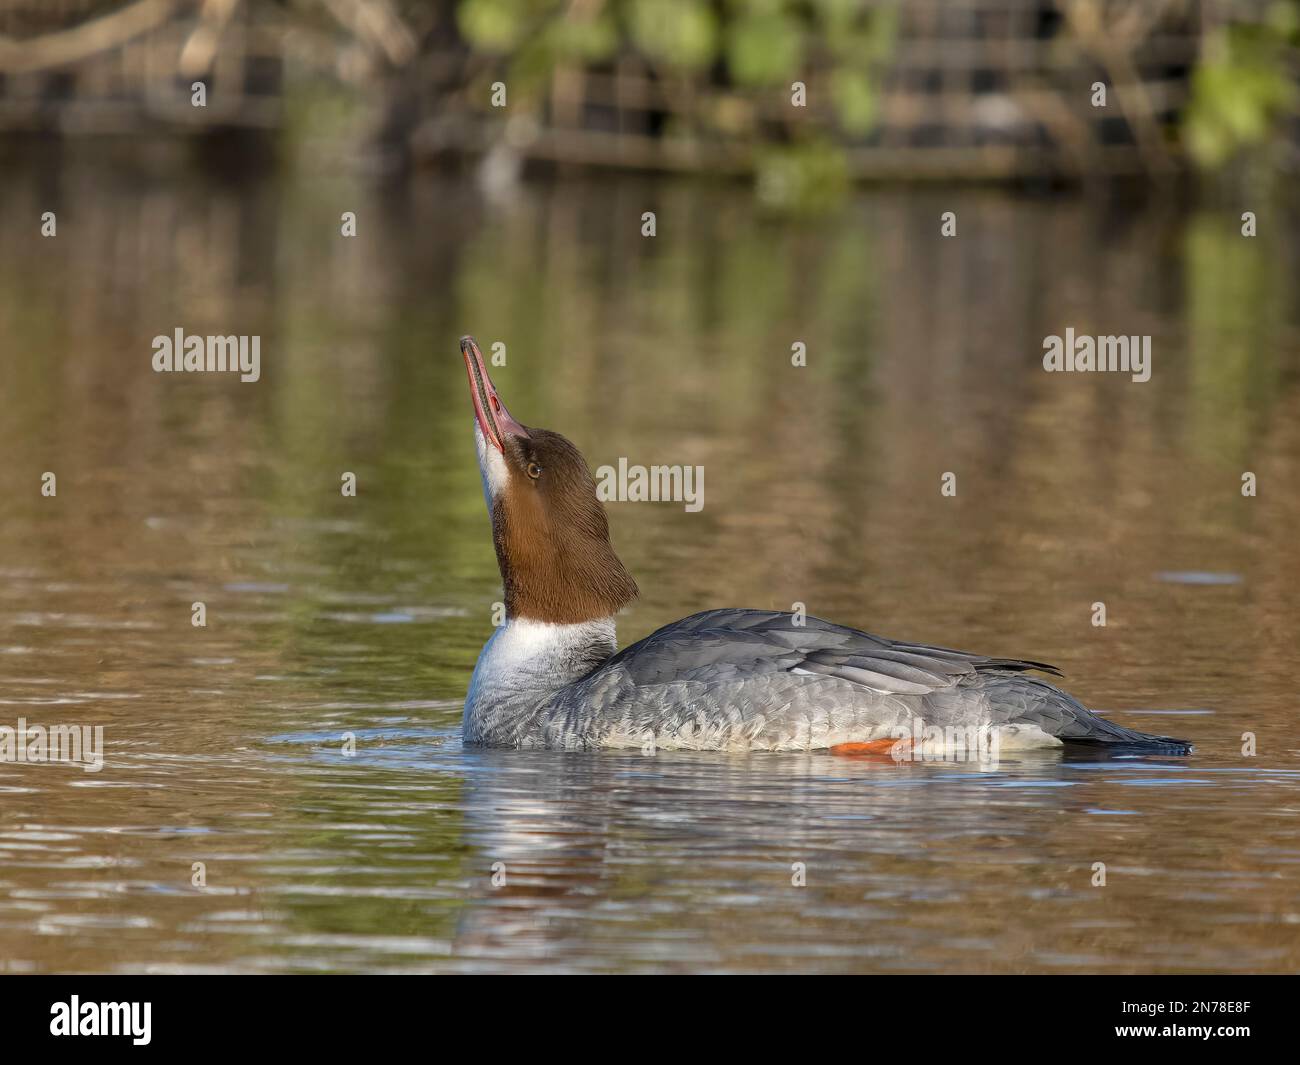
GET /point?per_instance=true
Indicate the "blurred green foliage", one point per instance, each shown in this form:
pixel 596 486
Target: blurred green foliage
pixel 727 65
pixel 801 178
pixel 1244 86
pixel 680 33
pixel 760 44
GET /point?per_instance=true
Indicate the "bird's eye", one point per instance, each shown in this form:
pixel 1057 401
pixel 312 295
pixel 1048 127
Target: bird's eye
pixel 534 470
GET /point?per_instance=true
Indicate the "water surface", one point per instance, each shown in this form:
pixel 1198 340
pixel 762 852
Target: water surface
pixel 330 616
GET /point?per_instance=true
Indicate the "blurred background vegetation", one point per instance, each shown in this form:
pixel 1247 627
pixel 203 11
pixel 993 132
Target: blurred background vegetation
pixel 801 97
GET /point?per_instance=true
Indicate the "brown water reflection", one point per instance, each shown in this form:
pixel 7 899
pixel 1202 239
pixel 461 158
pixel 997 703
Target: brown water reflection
pixel 329 615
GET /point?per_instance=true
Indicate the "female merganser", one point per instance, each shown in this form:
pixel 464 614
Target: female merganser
pixel 723 680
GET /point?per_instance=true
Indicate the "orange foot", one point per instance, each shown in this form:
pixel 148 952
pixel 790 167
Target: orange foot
pixel 870 747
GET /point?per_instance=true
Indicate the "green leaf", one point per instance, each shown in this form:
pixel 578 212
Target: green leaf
pixel 764 49
pixel 856 100
pixel 491 25
pixel 592 40
pixel 681 33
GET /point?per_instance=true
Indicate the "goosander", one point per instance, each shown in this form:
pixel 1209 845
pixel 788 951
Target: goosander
pixel 722 680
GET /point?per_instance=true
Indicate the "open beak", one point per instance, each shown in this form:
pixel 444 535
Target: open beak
pixel 493 418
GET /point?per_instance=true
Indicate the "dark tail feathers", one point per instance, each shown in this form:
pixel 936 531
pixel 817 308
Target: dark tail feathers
pixel 1120 740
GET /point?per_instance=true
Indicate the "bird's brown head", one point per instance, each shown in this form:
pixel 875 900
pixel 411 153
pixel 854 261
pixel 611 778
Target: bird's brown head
pixel 548 526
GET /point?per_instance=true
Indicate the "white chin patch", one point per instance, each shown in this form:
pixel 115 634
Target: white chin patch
pixel 491 466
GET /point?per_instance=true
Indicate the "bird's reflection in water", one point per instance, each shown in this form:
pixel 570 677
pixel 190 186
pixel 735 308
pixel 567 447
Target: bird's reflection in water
pixel 571 846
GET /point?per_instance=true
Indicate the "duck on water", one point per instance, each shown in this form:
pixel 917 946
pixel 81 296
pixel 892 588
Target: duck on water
pixel 724 680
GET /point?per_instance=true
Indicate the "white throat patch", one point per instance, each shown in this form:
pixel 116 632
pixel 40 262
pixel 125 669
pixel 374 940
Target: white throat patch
pixel 491 467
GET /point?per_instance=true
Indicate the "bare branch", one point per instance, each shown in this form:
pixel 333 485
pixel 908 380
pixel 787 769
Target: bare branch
pixel 71 46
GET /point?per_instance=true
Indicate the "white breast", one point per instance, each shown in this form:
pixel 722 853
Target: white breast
pixel 525 662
